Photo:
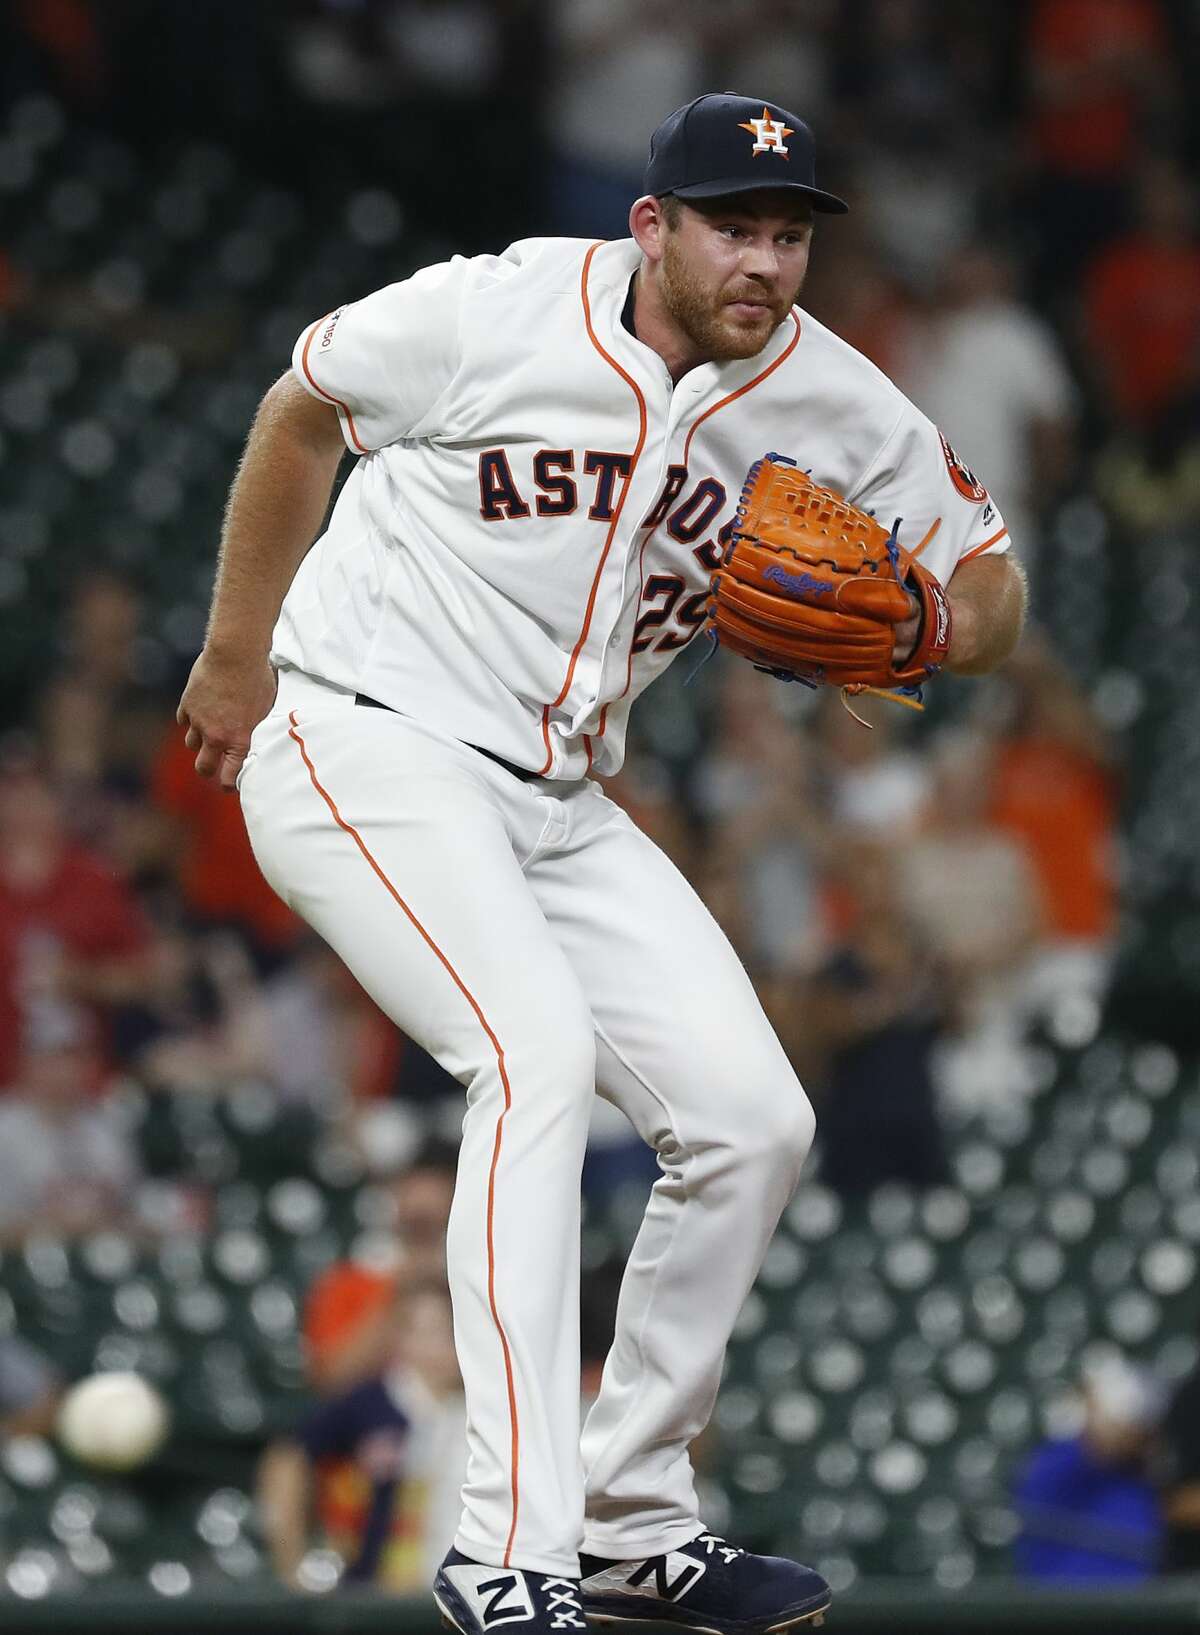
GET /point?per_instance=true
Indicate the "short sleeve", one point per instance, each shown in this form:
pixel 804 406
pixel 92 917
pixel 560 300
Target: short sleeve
pixel 328 1429
pixel 383 362
pixel 945 514
pixel 335 1427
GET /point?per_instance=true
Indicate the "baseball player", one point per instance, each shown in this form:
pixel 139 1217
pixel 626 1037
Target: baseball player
pixel 550 445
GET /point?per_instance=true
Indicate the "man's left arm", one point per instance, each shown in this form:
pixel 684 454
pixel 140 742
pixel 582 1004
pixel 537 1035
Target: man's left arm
pixel 952 526
pixel 988 597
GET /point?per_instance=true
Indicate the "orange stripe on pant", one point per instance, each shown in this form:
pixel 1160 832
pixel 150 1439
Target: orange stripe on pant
pixel 348 828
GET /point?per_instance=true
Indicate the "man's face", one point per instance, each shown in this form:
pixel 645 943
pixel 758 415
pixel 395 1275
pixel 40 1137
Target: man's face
pixel 732 268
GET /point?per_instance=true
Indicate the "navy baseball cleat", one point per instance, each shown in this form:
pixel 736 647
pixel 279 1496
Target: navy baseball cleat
pixel 706 1585
pixel 475 1599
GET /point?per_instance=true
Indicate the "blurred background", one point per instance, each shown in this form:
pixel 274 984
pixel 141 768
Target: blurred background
pixel 968 1373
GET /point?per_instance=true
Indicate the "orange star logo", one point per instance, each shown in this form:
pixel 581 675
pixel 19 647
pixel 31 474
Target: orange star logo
pixel 768 133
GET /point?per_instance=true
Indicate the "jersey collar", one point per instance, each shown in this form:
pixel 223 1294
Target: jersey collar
pixel 611 289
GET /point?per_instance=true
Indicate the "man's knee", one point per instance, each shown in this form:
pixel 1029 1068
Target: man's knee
pixel 778 1127
pixel 557 1051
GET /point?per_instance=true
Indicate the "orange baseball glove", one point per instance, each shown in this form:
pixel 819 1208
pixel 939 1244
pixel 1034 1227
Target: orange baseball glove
pixel 811 589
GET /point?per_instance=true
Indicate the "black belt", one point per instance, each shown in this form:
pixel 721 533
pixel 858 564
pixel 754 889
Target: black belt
pixel 522 772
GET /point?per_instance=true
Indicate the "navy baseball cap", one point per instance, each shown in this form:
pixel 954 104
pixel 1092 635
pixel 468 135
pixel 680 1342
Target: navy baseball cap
pixel 722 143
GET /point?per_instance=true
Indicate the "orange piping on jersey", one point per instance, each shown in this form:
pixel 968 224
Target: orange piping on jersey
pixel 979 549
pixel 328 396
pixel 629 662
pixel 933 528
pixel 616 516
pixel 749 386
pixel 742 390
pixel 348 828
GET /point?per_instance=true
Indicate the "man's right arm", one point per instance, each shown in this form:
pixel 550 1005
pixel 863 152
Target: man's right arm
pixel 284 1497
pixel 276 506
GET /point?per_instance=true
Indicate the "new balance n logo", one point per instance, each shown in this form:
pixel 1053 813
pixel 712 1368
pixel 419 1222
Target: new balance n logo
pixel 505 1600
pixel 673 1575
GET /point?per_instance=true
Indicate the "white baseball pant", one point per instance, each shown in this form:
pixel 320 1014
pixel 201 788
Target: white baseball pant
pixel 540 947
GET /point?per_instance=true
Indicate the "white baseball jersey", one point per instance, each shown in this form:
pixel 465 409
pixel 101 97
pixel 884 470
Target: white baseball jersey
pixel 527 539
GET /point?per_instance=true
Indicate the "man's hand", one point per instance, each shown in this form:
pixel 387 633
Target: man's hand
pixel 223 702
pixel 907 632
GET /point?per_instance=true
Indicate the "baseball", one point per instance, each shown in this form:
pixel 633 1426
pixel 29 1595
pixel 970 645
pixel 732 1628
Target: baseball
pixel 113 1421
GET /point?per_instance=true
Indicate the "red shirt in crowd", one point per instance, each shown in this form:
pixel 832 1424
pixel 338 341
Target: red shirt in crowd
pixel 219 877
pixel 1083 58
pixel 82 912
pixel 1143 314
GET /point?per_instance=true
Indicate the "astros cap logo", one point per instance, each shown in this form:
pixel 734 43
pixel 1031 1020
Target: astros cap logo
pixel 768 134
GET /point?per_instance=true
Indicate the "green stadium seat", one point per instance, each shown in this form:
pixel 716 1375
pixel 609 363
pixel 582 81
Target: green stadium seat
pixel 940 1315
pixel 814 1214
pixel 296 1207
pixel 837 1464
pixel 815 1308
pixel 871 1421
pixel 784 1264
pixel 868 1313
pixel 853 1250
pixel 1066 1311
pixel 909 1263
pixel 1133 1318
pixel 910 1358
pixel 979 1168
pixel 929 1418
pixel 833 1366
pixel 1168 1266
pixel 106 1257
pixel 1069 1214
pixel 29 1464
pixel 1053 1163
pixel 968 1368
pixel 239 1257
pixel 892 1209
pixel 1038 1264
pixel 1112 1264
pixel 1015 1208
pixel 738 1410
pixel 794 1417
pixel 1177 1170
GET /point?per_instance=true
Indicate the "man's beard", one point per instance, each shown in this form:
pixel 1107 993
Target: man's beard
pixel 705 318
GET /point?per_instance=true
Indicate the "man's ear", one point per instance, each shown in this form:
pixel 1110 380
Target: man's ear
pixel 648 227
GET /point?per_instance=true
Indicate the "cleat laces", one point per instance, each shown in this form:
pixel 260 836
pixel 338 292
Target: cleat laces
pixel 711 1542
pixel 562 1603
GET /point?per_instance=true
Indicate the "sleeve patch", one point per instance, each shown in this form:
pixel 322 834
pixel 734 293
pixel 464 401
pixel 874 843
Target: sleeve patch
pixel 964 479
pixel 326 340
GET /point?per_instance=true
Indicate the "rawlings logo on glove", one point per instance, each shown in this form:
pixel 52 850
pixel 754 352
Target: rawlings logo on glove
pixel 812 589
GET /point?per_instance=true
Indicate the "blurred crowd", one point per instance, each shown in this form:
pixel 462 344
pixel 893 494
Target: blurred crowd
pixel 911 901
pixel 915 897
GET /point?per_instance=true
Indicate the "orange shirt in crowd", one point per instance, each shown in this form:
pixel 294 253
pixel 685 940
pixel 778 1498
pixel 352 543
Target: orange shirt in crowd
pixel 219 877
pixel 1079 52
pixel 1143 313
pixel 340 1300
pixel 1061 805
